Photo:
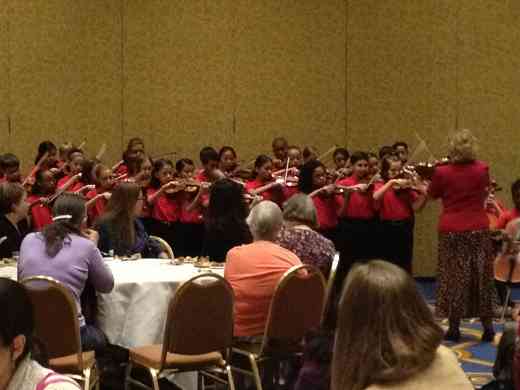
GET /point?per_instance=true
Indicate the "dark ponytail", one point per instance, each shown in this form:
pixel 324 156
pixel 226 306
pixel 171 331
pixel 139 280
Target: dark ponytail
pixel 68 214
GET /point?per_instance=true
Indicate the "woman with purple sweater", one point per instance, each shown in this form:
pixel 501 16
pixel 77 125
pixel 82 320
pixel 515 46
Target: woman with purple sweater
pixel 66 251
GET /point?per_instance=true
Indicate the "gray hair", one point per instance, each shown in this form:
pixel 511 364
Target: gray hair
pixel 265 221
pixel 300 208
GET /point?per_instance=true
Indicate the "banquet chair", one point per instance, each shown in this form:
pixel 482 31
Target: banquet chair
pixel 296 308
pixel 330 286
pixel 164 245
pixel 197 337
pixel 57 327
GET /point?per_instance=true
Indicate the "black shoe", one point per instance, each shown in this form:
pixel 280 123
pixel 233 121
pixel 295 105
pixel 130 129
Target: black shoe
pixel 488 336
pixel 452 335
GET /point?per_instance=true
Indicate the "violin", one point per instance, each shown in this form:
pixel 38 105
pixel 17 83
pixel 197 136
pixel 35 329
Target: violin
pixel 426 169
pixel 188 185
pixel 507 263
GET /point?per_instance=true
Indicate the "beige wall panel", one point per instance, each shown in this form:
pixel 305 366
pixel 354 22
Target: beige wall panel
pixel 400 85
pixel 489 59
pixel 289 77
pixel 98 116
pixel 4 76
pixel 178 72
pixel 64 79
pixel 42 74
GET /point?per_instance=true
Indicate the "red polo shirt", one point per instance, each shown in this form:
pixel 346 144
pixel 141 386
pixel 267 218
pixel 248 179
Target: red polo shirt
pixel 327 207
pixel 98 208
pixel 463 191
pixel 395 205
pixel 166 207
pixel 41 215
pixel 360 204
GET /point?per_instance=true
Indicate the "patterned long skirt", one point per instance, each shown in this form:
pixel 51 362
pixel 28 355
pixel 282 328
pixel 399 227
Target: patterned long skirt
pixel 466 280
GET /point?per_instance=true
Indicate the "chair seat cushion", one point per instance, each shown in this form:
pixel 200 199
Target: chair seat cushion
pixel 150 356
pixel 69 364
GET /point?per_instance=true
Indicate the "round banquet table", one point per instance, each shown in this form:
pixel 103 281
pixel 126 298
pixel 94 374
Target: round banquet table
pixel 134 313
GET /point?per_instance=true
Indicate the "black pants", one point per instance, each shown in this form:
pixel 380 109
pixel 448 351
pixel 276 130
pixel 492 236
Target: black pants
pixel 397 243
pixel 358 241
pixel 331 234
pixel 166 230
pixel 190 239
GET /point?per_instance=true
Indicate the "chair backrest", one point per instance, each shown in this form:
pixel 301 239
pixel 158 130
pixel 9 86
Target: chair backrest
pixel 164 245
pixel 296 306
pixel 55 316
pixel 330 284
pixel 200 316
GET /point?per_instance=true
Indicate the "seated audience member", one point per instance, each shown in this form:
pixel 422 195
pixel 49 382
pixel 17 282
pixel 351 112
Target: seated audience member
pixel 298 236
pixel 66 251
pixel 225 220
pixel 121 230
pixel 10 168
pixel 18 369
pixel 503 369
pixel 315 371
pixel 253 270
pixel 387 338
pixel 13 218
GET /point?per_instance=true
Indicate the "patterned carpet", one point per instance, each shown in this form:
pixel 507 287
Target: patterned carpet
pixel 476 358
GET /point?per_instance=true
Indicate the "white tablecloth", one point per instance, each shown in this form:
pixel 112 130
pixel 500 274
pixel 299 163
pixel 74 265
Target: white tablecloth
pixel 8 272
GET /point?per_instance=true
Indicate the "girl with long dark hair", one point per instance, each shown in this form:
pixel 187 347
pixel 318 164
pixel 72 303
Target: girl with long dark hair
pixel 226 225
pixel 67 251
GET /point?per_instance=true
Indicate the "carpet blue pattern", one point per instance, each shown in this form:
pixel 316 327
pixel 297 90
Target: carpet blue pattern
pixel 476 358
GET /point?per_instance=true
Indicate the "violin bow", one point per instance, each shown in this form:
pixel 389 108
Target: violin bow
pixel 327 153
pixel 164 155
pixel 424 146
pixel 36 167
pixel 286 171
pixel 101 152
pixel 117 165
pixel 82 145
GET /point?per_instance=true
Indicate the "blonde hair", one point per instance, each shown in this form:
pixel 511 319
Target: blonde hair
pixel 385 332
pixel 463 146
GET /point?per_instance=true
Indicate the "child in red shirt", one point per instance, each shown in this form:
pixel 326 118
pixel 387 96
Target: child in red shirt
pixel 163 198
pixel 75 166
pixel 227 157
pixel 396 213
pixel 98 197
pixel 191 223
pixel 513 213
pixel 313 181
pixel 358 217
pixel 40 211
pixel 264 183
